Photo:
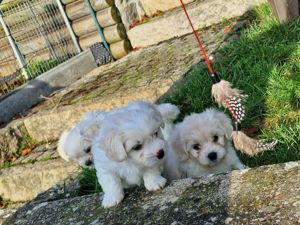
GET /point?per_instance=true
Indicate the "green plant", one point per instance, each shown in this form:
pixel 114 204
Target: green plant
pixel 35 68
pixel 26 142
pixel 88 182
pixel 5 165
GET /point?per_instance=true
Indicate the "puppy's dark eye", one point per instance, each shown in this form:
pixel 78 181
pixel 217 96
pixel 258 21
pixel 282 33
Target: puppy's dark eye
pixel 215 138
pixel 137 147
pixel 87 150
pixel 155 134
pixel 196 147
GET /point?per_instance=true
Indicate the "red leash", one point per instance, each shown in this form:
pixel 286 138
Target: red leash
pixel 198 40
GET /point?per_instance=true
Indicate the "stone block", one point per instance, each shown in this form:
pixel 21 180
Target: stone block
pixel 25 182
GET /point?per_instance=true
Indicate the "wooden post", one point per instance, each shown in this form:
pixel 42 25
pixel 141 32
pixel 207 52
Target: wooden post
pixel 115 33
pixel 65 2
pixel 108 17
pixel 83 25
pixel 101 4
pixel 77 9
pixel 120 49
pixel 87 40
pixel 284 10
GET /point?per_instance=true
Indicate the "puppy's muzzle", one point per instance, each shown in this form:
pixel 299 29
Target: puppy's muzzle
pixel 160 154
pixel 212 156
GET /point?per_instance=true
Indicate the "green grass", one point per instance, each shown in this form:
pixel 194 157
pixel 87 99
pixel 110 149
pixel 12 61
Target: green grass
pixel 88 182
pixel 265 64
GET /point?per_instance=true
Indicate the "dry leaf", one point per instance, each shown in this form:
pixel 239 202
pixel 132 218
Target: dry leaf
pixel 136 49
pixel 26 151
pixel 133 24
pixel 3 206
pixel 227 29
pixel 252 131
pixel 14 158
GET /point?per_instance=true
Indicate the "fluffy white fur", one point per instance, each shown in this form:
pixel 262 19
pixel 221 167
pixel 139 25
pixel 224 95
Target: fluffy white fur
pixel 169 113
pixel 129 150
pixel 75 144
pixel 201 145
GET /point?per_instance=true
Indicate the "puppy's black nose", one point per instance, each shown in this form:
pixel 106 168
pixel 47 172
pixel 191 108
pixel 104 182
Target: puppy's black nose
pixel 212 156
pixel 160 154
pixel 88 162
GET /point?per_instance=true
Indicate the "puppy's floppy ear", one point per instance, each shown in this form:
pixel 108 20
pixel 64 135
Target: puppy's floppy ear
pixel 224 123
pixel 178 145
pixel 62 142
pixel 112 144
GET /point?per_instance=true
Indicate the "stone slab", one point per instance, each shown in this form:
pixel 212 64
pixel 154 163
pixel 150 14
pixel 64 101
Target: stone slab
pixel 175 24
pixel 24 182
pixel 261 196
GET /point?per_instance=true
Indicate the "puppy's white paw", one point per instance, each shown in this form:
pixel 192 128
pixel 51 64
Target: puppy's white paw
pixel 110 200
pixel 155 183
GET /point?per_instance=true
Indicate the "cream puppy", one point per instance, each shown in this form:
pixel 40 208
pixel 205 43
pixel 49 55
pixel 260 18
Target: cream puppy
pixel 129 150
pixel 201 145
pixel 75 144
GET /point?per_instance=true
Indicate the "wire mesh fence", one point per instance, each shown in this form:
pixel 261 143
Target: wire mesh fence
pixel 41 39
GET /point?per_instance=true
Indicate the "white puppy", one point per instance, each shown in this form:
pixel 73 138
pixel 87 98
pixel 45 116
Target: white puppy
pixel 75 144
pixel 129 150
pixel 201 145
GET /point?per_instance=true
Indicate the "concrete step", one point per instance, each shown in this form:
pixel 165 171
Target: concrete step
pixel 24 182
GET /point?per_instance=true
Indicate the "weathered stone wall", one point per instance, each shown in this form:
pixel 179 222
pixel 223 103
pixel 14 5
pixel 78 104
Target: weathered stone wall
pixel 265 195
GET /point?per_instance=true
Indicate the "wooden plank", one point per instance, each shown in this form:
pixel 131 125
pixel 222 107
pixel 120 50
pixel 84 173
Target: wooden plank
pixel 120 49
pixel 115 33
pixel 76 10
pixel 88 39
pixel 108 17
pixel 101 4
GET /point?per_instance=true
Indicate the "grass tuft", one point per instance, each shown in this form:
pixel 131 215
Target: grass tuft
pixel 88 182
